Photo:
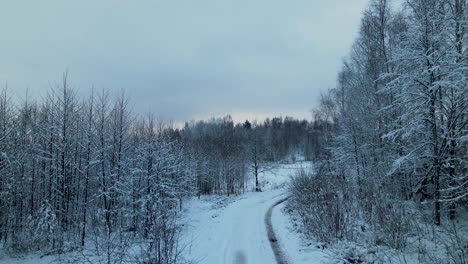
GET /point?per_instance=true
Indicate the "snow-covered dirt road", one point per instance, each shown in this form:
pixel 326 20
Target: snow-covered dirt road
pixel 233 230
pixel 235 234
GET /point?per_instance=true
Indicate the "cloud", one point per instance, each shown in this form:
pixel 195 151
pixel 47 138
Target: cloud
pixel 182 59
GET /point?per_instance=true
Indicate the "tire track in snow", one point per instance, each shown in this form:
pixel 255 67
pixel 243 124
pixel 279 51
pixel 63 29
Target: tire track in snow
pixel 275 246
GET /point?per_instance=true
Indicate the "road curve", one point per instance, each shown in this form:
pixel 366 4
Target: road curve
pixel 234 234
pixel 275 246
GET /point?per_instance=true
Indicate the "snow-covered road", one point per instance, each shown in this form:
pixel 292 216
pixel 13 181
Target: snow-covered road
pixel 232 230
pixel 235 234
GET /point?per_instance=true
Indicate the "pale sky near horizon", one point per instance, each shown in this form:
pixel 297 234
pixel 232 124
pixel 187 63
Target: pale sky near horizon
pixel 181 59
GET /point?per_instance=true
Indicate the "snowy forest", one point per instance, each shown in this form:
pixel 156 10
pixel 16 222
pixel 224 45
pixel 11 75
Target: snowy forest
pixel 388 148
pixel 393 154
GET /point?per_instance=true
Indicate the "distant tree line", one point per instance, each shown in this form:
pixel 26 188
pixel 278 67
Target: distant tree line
pixel 394 129
pixel 222 154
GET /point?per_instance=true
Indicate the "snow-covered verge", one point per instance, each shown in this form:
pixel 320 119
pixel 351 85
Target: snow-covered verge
pixel 132 253
pixel 388 231
pixel 426 244
pixel 297 248
pixel 27 259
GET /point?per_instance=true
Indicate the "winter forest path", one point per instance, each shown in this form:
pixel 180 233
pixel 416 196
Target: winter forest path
pixel 236 234
pixel 233 230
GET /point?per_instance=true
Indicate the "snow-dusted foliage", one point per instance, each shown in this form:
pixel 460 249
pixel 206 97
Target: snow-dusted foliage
pixel 43 226
pixel 323 205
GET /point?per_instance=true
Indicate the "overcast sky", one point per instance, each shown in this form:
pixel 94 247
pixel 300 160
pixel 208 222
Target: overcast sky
pixel 182 59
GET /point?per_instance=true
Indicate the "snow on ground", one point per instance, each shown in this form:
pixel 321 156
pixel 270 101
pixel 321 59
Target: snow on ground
pixel 237 232
pixel 279 176
pixel 28 259
pixel 296 248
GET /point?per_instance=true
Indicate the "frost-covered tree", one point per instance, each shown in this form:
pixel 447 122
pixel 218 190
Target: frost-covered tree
pixel 430 96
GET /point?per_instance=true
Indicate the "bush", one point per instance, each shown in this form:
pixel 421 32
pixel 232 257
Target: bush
pixel 323 203
pixel 332 209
